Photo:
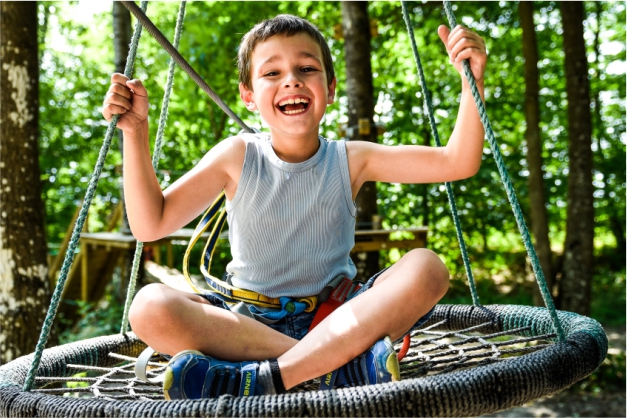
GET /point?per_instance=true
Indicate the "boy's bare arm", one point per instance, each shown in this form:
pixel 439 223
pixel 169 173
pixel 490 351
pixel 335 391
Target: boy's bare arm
pixel 460 158
pixel 154 213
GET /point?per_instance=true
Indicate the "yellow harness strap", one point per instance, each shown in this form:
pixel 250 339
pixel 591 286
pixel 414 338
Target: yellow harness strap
pixel 218 285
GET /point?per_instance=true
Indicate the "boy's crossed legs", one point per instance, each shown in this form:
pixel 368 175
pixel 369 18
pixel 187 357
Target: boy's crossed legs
pixel 171 321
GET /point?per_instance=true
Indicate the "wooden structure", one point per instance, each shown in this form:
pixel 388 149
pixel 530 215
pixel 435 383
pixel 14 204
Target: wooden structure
pixel 99 254
pixel 384 239
pixel 100 249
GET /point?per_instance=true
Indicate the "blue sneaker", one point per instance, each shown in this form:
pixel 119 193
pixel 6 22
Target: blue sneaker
pixel 377 365
pixel 192 375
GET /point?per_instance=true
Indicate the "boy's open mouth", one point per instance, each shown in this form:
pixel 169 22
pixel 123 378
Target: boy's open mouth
pixel 293 106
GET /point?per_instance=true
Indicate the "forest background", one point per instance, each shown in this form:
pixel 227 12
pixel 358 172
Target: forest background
pixel 76 53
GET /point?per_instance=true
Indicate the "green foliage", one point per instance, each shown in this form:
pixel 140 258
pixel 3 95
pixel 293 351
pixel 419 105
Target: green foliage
pixel 96 319
pixel 73 385
pixel 607 79
pixel 71 127
pixel 77 59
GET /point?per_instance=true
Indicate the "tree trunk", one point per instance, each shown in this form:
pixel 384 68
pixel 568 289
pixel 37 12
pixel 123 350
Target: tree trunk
pixel 575 285
pixel 360 92
pixel 537 199
pixel 596 102
pixel 24 287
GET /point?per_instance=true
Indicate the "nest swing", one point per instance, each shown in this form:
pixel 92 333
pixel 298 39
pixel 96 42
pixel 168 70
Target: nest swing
pixel 465 361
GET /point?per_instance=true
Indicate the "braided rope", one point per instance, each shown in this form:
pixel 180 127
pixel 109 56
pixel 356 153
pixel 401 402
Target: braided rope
pixel 509 188
pixel 170 49
pixel 80 222
pixel 132 282
pixel 434 131
pixel 163 117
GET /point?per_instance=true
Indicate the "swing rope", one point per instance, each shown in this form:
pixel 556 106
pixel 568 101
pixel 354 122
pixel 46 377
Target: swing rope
pixel 80 221
pixel 434 131
pixel 509 188
pixel 170 49
pixel 163 117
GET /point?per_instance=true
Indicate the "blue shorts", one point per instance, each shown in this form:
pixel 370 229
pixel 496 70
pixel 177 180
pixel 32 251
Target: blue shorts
pixel 297 326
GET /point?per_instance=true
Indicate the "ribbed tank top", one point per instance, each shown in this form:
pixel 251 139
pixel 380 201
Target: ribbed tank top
pixel 291 226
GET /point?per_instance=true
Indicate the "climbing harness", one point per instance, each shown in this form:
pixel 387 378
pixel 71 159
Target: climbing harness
pixel 223 287
pixel 333 295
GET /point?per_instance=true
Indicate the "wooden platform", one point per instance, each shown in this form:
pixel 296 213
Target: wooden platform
pixel 100 252
pixel 112 240
pixel 383 239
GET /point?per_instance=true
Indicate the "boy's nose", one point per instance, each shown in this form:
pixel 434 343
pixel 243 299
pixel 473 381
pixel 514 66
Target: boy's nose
pixel 293 81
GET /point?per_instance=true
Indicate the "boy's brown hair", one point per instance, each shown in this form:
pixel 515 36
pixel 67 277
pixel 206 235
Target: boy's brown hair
pixel 286 25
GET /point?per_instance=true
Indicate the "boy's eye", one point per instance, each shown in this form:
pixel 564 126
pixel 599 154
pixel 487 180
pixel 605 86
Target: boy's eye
pixel 271 73
pixel 308 69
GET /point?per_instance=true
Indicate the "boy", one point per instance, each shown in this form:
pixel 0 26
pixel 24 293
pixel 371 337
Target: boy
pixel 291 213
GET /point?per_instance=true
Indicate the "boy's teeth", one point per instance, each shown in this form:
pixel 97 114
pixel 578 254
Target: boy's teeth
pixel 293 101
pixel 292 112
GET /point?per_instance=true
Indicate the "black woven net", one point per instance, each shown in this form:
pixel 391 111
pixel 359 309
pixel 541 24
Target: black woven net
pixel 432 352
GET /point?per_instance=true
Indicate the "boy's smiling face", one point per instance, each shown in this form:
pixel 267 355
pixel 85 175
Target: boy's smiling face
pixel 289 85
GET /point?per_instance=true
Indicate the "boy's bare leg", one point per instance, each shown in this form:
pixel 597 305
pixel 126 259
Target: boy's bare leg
pixel 171 321
pixel 400 297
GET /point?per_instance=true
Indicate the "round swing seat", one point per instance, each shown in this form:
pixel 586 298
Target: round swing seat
pixel 461 368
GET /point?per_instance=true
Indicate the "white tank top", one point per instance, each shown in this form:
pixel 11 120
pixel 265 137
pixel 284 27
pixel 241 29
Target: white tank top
pixel 291 226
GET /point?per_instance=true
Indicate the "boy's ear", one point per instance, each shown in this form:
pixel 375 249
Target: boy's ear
pixel 331 95
pixel 247 97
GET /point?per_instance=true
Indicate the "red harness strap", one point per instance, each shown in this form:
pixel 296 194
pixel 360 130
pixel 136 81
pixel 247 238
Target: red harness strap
pixel 405 347
pixel 337 298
